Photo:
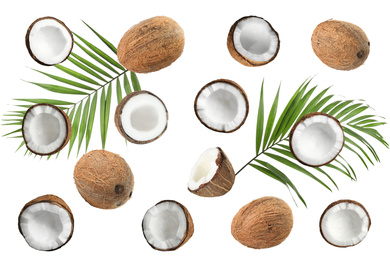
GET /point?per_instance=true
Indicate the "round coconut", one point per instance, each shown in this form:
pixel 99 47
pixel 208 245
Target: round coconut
pixel 104 179
pixel 340 45
pixel 263 223
pixel 151 45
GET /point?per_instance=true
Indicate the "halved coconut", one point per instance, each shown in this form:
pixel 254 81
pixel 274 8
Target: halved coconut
pixel 46 223
pixel 46 129
pixel 49 41
pixel 212 175
pixel 316 139
pixel 345 223
pixel 222 106
pixel 141 117
pixel 167 225
pixel 252 41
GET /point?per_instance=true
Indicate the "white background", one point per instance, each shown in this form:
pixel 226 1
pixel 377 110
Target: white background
pixel 161 168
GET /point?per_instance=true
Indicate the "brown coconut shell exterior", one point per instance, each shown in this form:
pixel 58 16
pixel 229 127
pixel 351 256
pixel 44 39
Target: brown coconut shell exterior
pixel 240 58
pixel 118 116
pixel 104 179
pixel 28 39
pixel 300 121
pixel 188 233
pixel 223 180
pixel 52 199
pixel 151 45
pixel 68 129
pixel 232 83
pixel 263 223
pixel 340 45
pixel 334 204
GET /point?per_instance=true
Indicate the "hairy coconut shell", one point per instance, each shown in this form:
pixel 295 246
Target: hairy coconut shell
pixel 340 45
pixel 52 199
pixel 263 223
pixel 223 180
pixel 104 179
pixel 151 45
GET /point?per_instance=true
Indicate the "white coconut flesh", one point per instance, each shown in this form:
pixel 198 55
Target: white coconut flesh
pixel 345 224
pixel 221 106
pixel 50 41
pixel 144 117
pixel 255 39
pixel 204 169
pixel 317 140
pixel 45 226
pixel 44 129
pixel 164 225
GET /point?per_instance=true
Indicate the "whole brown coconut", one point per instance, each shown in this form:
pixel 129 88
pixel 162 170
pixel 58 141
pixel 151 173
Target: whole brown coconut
pixel 263 223
pixel 104 179
pixel 151 45
pixel 340 45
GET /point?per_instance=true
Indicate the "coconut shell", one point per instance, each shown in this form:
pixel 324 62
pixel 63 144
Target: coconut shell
pixel 340 45
pixel 263 223
pixel 52 199
pixel 223 180
pixel 118 115
pixel 104 179
pixel 151 45
pixel 68 129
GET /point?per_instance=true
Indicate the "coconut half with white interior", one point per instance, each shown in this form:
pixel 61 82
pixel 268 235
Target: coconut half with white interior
pixel 141 117
pixel 49 41
pixel 167 226
pixel 46 129
pixel 46 223
pixel 316 139
pixel 345 223
pixel 212 175
pixel 222 105
pixel 252 41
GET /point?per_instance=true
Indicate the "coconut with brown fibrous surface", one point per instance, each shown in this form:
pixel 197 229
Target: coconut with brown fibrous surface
pixel 46 129
pixel 46 223
pixel 340 45
pixel 49 41
pixel 167 226
pixel 151 45
pixel 212 175
pixel 104 179
pixel 262 223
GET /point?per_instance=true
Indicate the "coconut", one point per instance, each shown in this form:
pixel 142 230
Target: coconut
pixel 151 45
pixel 49 41
pixel 46 129
pixel 252 41
pixel 340 45
pixel 104 179
pixel 167 225
pixel 345 223
pixel 46 223
pixel 262 223
pixel 222 105
pixel 316 139
pixel 212 175
pixel 141 117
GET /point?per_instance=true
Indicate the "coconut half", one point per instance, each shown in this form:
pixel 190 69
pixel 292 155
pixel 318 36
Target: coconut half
pixel 252 41
pixel 345 223
pixel 212 175
pixel 46 129
pixel 316 139
pixel 46 223
pixel 222 106
pixel 167 225
pixel 49 41
pixel 141 117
